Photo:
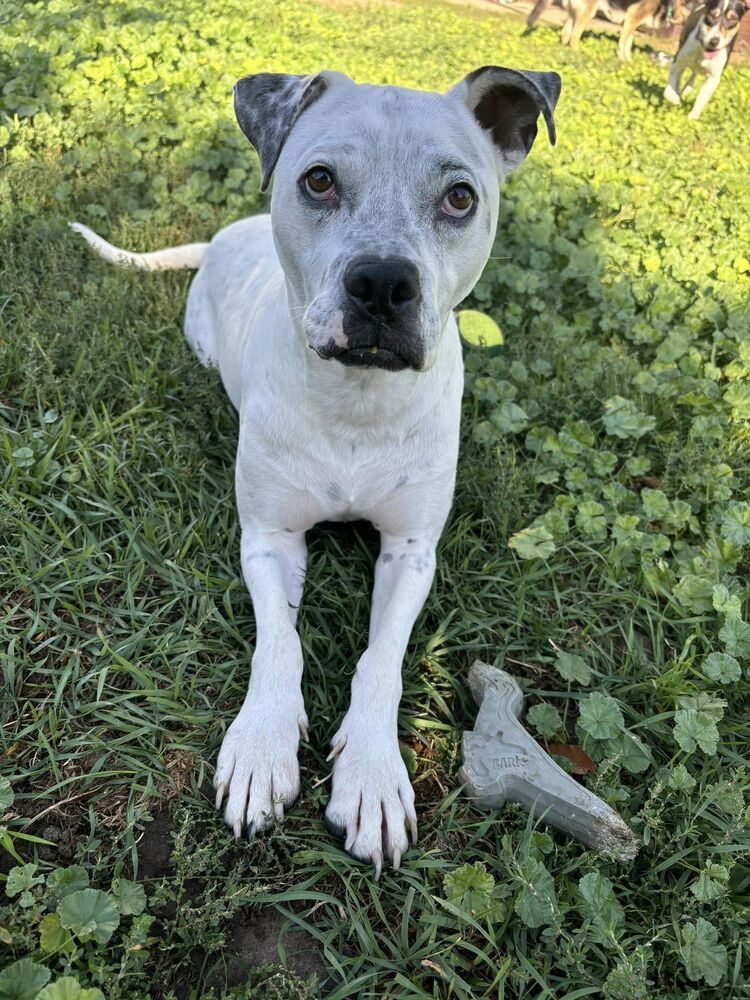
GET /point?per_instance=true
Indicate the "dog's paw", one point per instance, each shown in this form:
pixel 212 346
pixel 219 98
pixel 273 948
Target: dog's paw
pixel 372 801
pixel 257 771
pixel 671 95
pixel 694 115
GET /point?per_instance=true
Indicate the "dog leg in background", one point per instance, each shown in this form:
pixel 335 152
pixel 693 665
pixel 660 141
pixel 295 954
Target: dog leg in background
pixel 625 44
pixel 634 18
pixel 257 768
pixel 567 28
pixel 539 9
pixel 372 801
pixel 583 19
pixel 704 95
pixel 672 89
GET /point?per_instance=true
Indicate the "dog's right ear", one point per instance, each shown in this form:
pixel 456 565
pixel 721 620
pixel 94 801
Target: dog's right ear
pixel 267 105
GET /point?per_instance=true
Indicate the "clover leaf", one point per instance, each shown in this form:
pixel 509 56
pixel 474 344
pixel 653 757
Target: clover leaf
pixel 722 667
pixel 129 896
pixel 601 907
pixel 600 717
pixel 90 914
pixel 711 883
pixel 735 634
pixel 623 419
pixel 536 904
pixel 22 980
pixel 655 504
pixel 735 525
pixel 590 519
pixel 680 779
pixel 52 936
pixel 695 729
pixel 24 458
pixel 63 881
pixel 694 592
pixel 702 956
pixel 69 988
pixel 533 543
pixel 509 418
pixel 634 755
pixel 725 603
pixel 22 878
pixel 471 889
pixel 545 719
pixel 572 667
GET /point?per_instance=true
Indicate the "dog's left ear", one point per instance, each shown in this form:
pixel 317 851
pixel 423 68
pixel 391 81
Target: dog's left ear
pixel 507 103
pixel 268 104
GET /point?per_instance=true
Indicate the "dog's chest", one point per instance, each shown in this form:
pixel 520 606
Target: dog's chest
pixel 291 479
pixel 363 477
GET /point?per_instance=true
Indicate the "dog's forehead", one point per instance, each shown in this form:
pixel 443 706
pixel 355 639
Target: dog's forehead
pixel 724 7
pixel 391 124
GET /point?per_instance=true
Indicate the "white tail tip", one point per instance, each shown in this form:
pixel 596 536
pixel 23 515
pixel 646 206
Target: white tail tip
pixel 189 256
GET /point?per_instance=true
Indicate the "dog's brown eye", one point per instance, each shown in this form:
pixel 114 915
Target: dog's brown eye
pixel 458 202
pixel 319 183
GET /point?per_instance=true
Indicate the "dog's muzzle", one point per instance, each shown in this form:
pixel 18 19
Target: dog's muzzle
pixel 383 298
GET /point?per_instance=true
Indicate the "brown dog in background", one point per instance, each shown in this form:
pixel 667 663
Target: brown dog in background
pixel 581 13
pixel 637 14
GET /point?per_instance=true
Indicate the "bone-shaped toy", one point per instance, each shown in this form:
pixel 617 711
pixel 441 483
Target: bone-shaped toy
pixel 502 763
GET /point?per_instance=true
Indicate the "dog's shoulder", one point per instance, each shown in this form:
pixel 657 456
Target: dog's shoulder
pixel 691 24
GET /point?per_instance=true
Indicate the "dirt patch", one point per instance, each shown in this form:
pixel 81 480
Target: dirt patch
pixel 155 848
pixel 254 943
pixel 61 822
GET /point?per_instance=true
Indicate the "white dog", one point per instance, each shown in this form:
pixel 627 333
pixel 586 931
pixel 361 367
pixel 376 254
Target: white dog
pixel 331 324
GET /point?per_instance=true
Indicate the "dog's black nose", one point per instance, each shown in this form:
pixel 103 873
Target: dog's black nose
pixel 713 43
pixel 382 288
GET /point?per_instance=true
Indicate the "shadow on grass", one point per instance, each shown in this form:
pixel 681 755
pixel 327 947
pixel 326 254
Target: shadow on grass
pixel 648 90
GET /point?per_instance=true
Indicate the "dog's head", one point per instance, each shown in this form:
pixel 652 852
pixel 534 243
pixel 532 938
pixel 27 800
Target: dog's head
pixel 385 200
pixel 719 24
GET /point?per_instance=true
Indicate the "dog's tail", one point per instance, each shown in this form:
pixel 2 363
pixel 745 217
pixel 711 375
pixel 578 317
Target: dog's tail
pixel 188 256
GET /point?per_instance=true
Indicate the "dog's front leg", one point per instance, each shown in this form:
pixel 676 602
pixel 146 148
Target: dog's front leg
pixel 372 801
pixel 672 89
pixel 257 768
pixel 703 97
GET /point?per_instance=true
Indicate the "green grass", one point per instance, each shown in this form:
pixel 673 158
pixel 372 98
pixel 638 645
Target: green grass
pixel 620 273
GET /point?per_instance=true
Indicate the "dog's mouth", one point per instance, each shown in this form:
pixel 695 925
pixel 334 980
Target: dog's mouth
pixel 372 357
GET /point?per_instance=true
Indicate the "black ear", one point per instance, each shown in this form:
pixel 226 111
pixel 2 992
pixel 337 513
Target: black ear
pixel 507 103
pixel 267 105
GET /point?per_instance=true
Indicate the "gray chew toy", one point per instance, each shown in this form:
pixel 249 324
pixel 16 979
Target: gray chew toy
pixel 502 763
